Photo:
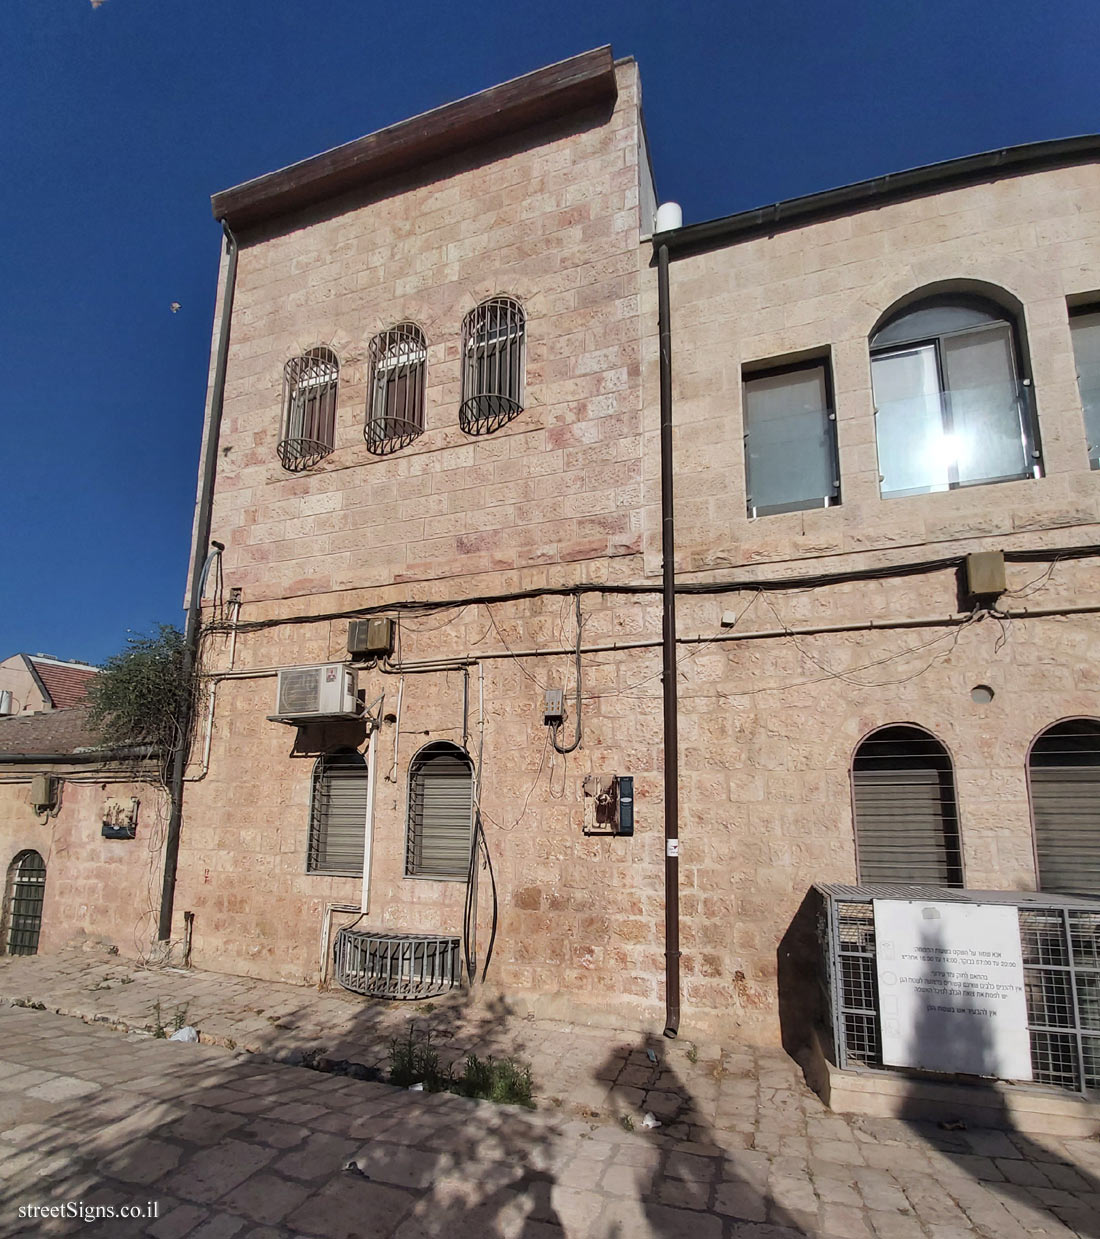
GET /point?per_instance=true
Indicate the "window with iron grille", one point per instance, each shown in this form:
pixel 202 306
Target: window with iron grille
pixel 310 383
pixel 338 813
pixel 395 400
pixel 790 439
pixel 1085 329
pixel 26 889
pixel 952 407
pixel 493 342
pixel 441 812
pixel 1064 775
pixel 907 822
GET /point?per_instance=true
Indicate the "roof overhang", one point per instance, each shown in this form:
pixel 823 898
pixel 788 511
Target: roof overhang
pixel 569 86
pixel 879 191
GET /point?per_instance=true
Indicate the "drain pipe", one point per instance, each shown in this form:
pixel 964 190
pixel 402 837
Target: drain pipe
pixel 669 216
pixel 194 606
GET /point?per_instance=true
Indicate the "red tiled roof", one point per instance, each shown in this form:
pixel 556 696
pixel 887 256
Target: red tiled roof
pixel 66 683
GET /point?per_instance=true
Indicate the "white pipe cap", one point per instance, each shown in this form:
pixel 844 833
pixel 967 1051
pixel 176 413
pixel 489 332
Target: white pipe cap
pixel 669 216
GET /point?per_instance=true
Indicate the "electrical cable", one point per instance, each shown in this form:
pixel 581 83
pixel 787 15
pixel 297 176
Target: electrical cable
pixel 556 727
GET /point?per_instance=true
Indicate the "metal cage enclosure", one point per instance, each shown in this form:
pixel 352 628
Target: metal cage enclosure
pixel 1060 940
pixel 400 966
pixel 395 399
pixel 310 384
pixel 493 344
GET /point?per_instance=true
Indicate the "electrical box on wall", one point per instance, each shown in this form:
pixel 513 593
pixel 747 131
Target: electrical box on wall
pixel 608 804
pixel 553 707
pixel 43 791
pixel 984 574
pixel 372 637
pixel 120 818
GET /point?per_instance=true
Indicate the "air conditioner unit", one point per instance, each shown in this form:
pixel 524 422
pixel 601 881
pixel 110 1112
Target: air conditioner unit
pixel 371 638
pixel 327 691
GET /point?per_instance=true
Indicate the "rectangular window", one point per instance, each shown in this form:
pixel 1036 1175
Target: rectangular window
pixel 1085 328
pixel 790 439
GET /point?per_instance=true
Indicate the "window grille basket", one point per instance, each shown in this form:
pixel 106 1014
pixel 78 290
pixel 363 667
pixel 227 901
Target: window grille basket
pixel 493 336
pixel 395 402
pixel 400 966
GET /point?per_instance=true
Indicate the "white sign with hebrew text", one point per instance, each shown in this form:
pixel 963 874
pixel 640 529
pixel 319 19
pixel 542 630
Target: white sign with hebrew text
pixel 951 988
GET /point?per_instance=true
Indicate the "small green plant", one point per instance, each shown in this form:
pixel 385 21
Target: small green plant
pixel 626 1122
pixel 158 1022
pixel 503 1081
pixel 414 1060
pixel 180 1018
pixel 693 1053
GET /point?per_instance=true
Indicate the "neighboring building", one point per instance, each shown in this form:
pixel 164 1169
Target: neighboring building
pixel 30 683
pixel 441 405
pixel 80 836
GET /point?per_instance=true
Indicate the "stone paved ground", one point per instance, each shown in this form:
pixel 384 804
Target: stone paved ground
pixel 231 1144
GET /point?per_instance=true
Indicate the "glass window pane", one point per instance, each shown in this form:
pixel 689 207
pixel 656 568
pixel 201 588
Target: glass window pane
pixel 789 456
pixel 986 434
pixel 1086 349
pixel 913 455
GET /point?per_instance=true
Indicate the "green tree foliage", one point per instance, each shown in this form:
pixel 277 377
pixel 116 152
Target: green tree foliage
pixel 138 696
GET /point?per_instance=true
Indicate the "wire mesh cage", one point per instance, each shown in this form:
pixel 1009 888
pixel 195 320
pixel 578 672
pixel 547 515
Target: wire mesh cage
pixel 493 342
pixel 395 400
pixel 310 384
pixel 400 966
pixel 1060 946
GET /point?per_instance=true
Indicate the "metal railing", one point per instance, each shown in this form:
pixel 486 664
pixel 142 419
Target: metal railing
pixel 401 966
pixel 1060 943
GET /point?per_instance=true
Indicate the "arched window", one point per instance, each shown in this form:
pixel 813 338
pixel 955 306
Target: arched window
pixel 907 822
pixel 493 336
pixel 338 813
pixel 441 812
pixel 951 406
pixel 395 398
pixel 309 408
pixel 1064 774
pixel 26 889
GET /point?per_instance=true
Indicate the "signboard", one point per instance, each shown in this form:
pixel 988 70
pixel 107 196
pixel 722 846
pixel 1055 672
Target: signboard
pixel 951 988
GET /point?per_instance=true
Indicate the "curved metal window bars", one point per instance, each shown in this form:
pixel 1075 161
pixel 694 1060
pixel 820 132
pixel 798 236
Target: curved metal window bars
pixel 395 400
pixel 309 408
pixel 493 338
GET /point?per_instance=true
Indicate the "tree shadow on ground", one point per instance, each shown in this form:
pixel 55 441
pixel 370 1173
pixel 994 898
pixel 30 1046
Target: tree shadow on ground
pixel 235 1142
pixel 689 1176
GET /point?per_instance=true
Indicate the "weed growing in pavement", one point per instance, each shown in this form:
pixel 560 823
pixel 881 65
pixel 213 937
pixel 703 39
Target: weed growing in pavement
pixel 415 1060
pixel 626 1122
pixel 693 1053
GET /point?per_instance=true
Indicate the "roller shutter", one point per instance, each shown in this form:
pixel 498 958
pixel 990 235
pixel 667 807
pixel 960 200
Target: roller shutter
pixel 907 825
pixel 440 812
pixel 1064 772
pixel 338 813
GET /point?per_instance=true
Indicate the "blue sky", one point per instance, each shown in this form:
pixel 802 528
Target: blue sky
pixel 120 121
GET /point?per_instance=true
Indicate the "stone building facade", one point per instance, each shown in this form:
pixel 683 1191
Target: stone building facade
pixel 520 556
pixel 81 835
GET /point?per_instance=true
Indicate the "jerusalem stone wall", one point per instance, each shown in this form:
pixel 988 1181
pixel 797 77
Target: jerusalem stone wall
pixel 103 890
pixel 769 726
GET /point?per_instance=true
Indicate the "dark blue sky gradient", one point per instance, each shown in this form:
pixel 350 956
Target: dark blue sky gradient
pixel 119 122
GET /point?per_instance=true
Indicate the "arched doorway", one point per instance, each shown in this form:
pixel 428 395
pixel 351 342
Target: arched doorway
pixel 26 889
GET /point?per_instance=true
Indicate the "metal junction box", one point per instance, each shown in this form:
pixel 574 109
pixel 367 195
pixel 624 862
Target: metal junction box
pixel 371 637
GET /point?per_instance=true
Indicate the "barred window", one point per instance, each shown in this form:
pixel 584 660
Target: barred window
pixel 907 822
pixel 338 813
pixel 24 896
pixel 441 812
pixel 395 400
pixel 493 342
pixel 309 408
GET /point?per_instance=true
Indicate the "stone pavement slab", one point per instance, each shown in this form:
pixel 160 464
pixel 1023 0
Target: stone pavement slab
pixel 405 1165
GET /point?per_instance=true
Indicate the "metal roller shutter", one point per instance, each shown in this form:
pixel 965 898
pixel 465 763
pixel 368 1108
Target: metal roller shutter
pixel 907 825
pixel 338 816
pixel 1064 773
pixel 441 802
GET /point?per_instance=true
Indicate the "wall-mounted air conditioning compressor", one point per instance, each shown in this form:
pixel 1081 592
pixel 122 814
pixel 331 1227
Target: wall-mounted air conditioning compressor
pixel 326 691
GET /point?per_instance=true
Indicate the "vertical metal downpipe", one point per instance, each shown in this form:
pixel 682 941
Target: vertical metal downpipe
pixel 668 665
pixel 194 606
